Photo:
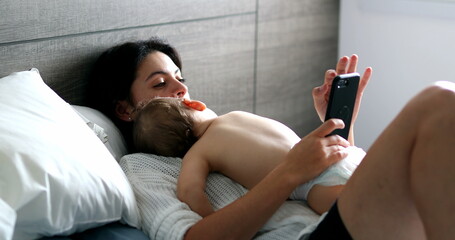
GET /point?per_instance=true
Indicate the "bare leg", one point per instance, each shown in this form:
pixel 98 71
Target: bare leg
pixel 321 198
pixel 404 189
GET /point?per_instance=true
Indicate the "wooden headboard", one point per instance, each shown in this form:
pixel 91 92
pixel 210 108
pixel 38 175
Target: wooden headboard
pixel 261 56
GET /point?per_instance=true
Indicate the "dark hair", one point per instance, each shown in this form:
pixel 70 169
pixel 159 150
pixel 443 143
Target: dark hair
pixel 114 72
pixel 164 127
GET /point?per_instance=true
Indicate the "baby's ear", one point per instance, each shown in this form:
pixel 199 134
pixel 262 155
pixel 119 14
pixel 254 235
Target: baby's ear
pixel 194 104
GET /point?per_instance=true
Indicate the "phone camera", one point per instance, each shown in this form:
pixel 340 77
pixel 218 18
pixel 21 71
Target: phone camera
pixel 342 83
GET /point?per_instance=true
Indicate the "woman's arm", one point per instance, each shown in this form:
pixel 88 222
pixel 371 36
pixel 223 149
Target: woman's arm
pixel 192 182
pixel 321 93
pixel 243 218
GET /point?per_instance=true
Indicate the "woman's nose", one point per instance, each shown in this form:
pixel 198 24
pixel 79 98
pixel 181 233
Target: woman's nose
pixel 180 89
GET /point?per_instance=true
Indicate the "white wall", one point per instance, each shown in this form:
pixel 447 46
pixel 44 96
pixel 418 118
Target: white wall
pixel 409 44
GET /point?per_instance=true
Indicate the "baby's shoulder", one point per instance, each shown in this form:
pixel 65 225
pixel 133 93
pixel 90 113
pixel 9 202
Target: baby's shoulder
pixel 237 115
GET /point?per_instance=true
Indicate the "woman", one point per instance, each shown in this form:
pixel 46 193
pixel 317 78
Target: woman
pixel 395 184
pixel 126 74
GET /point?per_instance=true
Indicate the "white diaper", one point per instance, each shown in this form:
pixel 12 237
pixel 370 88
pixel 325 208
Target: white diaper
pixel 337 174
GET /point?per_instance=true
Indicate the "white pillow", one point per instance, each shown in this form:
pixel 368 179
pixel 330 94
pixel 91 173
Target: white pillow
pixel 105 130
pixel 55 173
pixel 7 220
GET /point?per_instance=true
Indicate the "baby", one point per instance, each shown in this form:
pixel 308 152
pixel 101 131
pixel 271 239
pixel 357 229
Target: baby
pixel 243 146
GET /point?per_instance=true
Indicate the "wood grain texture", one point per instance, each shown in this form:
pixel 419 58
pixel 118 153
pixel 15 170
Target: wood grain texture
pixel 297 43
pixel 219 66
pixel 64 63
pixel 260 56
pixel 27 19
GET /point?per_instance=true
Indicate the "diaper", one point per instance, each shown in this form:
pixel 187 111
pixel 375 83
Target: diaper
pixel 337 174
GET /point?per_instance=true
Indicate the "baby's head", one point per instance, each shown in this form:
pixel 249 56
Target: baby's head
pixel 164 126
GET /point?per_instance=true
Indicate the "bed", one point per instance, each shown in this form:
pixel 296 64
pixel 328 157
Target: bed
pixel 59 175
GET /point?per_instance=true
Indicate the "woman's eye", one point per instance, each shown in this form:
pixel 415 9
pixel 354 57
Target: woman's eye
pixel 161 84
pixel 182 80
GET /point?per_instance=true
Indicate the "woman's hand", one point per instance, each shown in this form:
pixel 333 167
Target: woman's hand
pixel 321 93
pixel 316 152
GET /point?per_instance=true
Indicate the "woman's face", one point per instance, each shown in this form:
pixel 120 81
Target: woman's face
pixel 158 76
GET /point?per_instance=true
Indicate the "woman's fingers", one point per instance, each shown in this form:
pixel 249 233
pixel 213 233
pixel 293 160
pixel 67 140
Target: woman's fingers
pixel 327 127
pixel 335 140
pixel 335 148
pixel 352 67
pixel 347 64
pixel 336 153
pixel 329 76
pixel 365 78
pixel 342 65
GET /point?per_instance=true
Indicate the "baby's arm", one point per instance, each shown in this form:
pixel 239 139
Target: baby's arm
pixel 191 184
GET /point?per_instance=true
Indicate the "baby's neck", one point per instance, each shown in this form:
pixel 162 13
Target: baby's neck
pixel 202 121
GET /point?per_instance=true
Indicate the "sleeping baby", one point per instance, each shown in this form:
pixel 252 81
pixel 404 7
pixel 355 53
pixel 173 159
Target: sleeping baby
pixel 243 146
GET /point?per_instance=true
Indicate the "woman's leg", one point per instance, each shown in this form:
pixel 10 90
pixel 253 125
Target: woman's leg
pixel 404 188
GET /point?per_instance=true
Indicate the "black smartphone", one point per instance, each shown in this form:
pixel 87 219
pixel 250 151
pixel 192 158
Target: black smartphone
pixel 341 101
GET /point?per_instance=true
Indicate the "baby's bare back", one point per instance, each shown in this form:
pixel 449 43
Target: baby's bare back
pixel 244 146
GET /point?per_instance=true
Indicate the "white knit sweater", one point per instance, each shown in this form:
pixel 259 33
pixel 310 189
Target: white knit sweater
pixel 164 217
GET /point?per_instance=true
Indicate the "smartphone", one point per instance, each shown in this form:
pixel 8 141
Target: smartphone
pixel 341 101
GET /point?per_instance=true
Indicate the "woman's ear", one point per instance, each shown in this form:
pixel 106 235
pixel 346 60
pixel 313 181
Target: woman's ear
pixel 194 104
pixel 124 111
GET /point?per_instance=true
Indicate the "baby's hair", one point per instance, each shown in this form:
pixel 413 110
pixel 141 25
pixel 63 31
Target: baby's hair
pixel 163 126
